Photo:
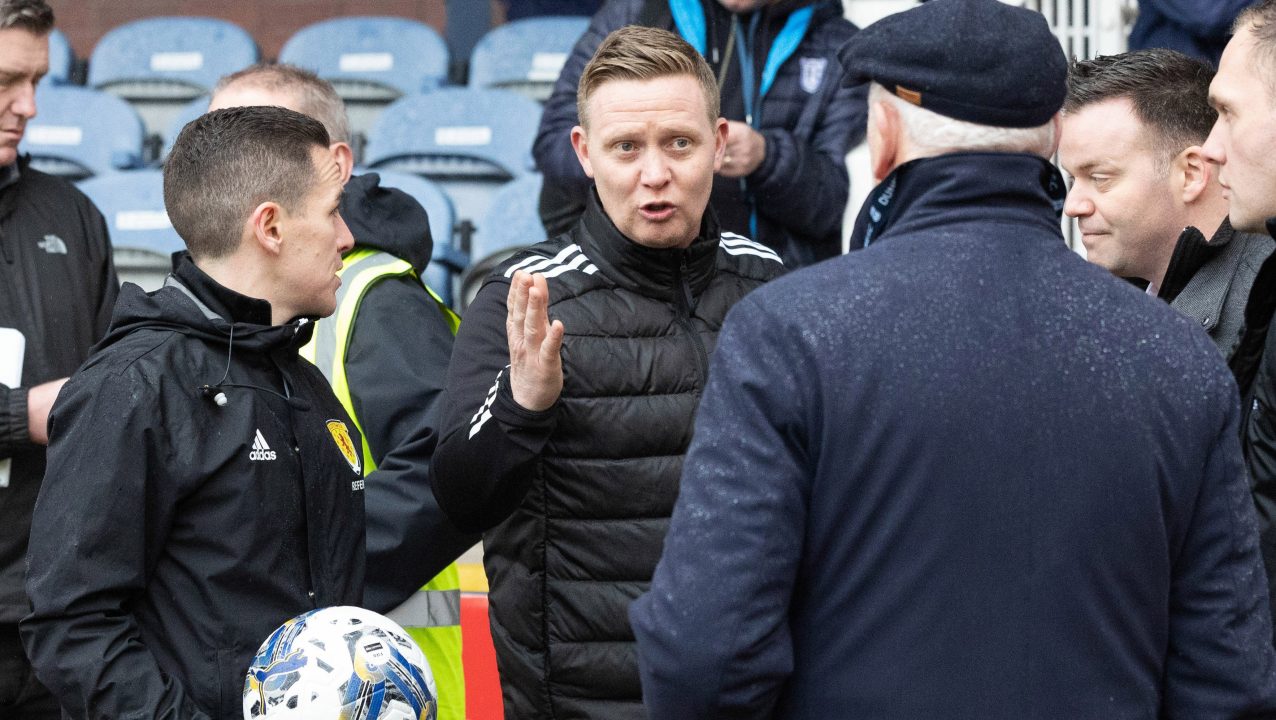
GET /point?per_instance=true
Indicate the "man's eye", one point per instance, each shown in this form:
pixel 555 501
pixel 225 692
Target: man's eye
pixel 625 147
pixel 682 143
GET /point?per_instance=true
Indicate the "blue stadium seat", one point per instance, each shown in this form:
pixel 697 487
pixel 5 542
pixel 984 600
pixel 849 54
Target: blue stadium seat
pixel 142 237
pixel 446 261
pixel 161 64
pixel 527 55
pixel 469 141
pixel 188 112
pixel 80 132
pixel 371 61
pixel 512 222
pixel 61 59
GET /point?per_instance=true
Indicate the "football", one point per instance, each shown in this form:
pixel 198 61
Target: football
pixel 340 662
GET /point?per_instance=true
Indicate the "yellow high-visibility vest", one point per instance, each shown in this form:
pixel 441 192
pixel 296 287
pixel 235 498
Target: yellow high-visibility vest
pixel 432 616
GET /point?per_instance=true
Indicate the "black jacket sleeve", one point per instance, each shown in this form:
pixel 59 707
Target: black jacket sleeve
pixel 491 446
pixel 14 433
pixel 97 528
pixel 396 370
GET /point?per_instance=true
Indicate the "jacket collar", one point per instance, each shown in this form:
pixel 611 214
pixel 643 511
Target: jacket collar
pixel 1191 252
pixel 211 295
pixel 655 272
pixel 8 175
pixel 962 187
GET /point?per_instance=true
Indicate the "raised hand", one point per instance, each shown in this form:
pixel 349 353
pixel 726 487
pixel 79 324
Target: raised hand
pixel 536 367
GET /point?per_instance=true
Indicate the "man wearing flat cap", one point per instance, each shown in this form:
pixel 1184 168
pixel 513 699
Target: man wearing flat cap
pixel 961 473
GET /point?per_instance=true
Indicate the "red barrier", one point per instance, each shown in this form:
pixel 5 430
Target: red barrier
pixel 482 683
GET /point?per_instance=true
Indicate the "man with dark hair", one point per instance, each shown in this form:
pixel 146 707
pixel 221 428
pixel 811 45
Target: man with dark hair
pixel 1244 94
pixel 961 473
pixel 57 287
pixel 385 351
pixel 1143 192
pixel 783 180
pixel 563 440
pixel 204 484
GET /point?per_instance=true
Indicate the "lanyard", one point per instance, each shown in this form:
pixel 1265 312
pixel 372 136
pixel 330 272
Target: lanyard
pixel 748 84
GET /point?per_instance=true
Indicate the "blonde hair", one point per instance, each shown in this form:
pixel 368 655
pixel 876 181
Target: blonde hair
pixel 636 52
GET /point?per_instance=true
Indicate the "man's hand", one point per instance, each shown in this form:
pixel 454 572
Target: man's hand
pixel 536 367
pixel 746 149
pixel 39 402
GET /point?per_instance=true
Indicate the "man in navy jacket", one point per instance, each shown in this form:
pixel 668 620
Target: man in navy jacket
pixel 961 473
pixel 1199 28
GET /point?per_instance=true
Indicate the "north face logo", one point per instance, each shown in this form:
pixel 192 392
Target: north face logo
pixel 261 451
pixel 53 245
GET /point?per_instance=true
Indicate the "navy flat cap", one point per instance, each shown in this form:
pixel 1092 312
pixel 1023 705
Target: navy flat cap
pixel 982 61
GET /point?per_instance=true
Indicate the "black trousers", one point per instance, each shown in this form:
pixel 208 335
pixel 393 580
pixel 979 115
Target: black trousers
pixel 22 697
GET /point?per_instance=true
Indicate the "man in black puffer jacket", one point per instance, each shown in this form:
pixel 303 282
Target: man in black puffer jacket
pixel 783 179
pixel 564 440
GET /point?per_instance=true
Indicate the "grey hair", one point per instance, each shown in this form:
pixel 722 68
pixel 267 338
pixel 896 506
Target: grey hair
pixel 34 16
pixel 934 134
pixel 315 96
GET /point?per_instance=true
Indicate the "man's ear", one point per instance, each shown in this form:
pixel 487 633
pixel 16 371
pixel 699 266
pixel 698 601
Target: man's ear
pixel 580 143
pixel 345 160
pixel 1194 172
pixel 265 227
pixel 1057 122
pixel 720 133
pixel 884 128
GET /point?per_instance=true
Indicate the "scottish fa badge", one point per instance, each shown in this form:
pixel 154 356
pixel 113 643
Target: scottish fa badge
pixel 812 72
pixel 341 436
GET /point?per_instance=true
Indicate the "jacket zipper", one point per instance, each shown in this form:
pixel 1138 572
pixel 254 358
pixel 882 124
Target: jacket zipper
pixel 684 302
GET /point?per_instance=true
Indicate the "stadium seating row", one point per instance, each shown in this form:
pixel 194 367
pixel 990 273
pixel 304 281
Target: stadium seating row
pixel 462 151
pixel 160 63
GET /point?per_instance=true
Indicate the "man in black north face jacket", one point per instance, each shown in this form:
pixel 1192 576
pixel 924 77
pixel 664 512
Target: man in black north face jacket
pixel 564 440
pixel 204 484
pixel 783 181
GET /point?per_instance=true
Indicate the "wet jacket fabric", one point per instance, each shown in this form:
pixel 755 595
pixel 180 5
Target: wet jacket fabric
pixel 395 369
pixel 1199 28
pixel 1209 280
pixel 961 474
pixel 576 499
pixel 173 534
pixel 57 287
pixel 795 200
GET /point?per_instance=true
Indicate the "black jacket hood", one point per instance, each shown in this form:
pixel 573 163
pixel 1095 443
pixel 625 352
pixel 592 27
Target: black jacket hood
pixel 387 219
pixel 194 304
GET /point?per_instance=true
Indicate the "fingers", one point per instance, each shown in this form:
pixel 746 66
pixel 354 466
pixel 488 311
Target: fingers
pixel 536 368
pixel 536 316
pixel 516 308
pixel 551 348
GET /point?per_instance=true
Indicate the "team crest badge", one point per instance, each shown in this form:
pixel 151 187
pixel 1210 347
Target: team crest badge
pixel 341 436
pixel 812 73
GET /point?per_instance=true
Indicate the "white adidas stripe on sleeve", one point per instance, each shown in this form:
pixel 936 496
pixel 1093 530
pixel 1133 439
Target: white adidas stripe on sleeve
pixel 485 413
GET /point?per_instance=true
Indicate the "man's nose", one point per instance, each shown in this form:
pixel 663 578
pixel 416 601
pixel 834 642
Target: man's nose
pixel 1077 204
pixel 655 169
pixel 24 104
